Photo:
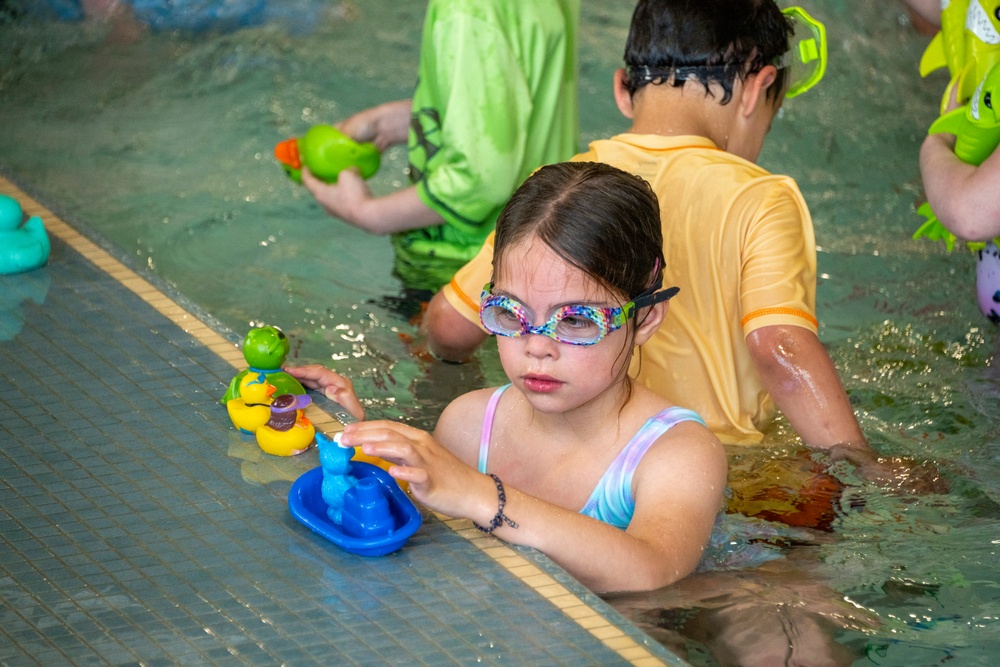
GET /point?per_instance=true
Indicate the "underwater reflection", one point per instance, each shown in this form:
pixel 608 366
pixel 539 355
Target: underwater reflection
pixel 16 291
pixel 778 613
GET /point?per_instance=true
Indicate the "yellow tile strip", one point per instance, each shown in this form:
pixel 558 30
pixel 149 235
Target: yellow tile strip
pixel 586 616
pixel 162 303
pixel 578 610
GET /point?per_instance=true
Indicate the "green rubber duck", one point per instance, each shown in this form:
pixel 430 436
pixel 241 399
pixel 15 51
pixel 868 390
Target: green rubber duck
pixel 326 151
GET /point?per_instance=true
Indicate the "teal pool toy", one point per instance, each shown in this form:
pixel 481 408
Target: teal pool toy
pixel 326 151
pixel 24 244
pixel 265 349
pixel 976 126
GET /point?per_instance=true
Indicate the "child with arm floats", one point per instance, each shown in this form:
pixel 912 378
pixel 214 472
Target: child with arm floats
pixel 573 458
pixel 964 196
pixel 495 99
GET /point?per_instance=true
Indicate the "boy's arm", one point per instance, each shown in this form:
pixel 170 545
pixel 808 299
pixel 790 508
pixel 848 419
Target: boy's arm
pixel 449 335
pixel 926 14
pixel 801 378
pixel 384 125
pixel 963 196
pixel 803 381
pixel 450 327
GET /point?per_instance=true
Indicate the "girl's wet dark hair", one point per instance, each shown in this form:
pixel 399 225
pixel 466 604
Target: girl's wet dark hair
pixel 720 41
pixel 600 219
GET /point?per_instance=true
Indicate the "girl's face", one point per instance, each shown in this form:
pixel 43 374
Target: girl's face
pixel 556 377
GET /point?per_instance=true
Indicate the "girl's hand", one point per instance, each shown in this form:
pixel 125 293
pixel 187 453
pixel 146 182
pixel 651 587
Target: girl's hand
pixel 437 478
pixel 334 386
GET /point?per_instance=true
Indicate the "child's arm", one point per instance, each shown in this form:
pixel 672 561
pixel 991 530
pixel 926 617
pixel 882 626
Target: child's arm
pixel 450 325
pixel 926 12
pixel 679 492
pixel 800 376
pixel 963 196
pixel 447 333
pixel 334 386
pixel 350 200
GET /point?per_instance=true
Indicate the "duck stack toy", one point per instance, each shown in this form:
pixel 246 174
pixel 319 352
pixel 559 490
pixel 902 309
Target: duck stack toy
pixel 265 349
pixel 253 407
pixel 288 431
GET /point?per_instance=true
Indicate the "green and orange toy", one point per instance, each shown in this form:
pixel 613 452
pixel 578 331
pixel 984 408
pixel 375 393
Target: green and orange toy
pixel 326 151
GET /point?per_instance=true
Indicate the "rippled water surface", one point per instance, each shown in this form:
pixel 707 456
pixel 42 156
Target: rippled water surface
pixel 162 144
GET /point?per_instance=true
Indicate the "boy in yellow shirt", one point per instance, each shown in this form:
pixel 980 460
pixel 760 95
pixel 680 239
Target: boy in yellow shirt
pixel 737 240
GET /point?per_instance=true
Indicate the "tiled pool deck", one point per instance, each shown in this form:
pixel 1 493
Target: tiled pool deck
pixel 138 527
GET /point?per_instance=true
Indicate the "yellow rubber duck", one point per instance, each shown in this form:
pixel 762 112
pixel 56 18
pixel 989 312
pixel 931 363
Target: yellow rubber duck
pixel 253 408
pixel 288 432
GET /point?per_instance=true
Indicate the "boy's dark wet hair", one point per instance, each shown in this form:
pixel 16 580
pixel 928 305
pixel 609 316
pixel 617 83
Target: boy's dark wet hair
pixel 600 219
pixel 720 41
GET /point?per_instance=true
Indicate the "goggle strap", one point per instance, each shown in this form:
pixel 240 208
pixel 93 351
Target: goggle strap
pixel 649 298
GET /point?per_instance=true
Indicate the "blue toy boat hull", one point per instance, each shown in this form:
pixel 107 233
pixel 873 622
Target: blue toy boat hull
pixel 305 501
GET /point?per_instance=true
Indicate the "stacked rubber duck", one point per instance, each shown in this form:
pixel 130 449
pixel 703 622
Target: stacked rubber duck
pixel 353 503
pixel 278 422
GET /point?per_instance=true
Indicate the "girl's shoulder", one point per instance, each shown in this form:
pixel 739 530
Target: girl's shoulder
pixel 687 435
pixel 473 403
pixel 461 423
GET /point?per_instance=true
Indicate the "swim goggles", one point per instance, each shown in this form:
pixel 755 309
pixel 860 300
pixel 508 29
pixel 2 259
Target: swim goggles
pixel 572 324
pixel 807 52
pixel 805 59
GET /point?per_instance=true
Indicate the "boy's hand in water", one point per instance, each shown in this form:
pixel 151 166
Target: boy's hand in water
pixel 437 478
pixel 334 386
pixel 893 473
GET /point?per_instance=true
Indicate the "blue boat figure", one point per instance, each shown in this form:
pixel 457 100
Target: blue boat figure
pixel 375 516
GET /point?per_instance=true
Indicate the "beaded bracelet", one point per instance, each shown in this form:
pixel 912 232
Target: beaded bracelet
pixel 500 518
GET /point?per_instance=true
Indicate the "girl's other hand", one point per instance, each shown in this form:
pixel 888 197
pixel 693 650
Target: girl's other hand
pixel 437 478
pixel 334 386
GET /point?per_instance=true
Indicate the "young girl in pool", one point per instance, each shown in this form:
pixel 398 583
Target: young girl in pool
pixel 573 458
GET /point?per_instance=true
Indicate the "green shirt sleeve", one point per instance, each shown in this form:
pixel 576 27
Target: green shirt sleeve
pixel 472 81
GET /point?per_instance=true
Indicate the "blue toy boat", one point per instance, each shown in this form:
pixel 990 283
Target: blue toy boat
pixel 365 531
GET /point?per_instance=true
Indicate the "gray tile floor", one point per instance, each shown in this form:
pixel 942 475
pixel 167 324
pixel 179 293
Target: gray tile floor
pixel 138 527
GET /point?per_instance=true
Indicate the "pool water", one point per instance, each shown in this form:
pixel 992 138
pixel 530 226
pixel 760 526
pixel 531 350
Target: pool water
pixel 162 144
